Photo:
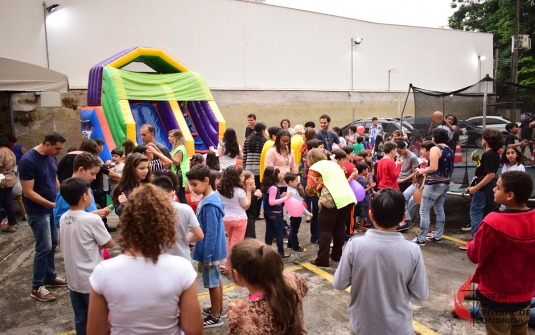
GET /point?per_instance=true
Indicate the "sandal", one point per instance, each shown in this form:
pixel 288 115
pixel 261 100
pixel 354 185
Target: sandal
pixel 286 256
pixel 431 233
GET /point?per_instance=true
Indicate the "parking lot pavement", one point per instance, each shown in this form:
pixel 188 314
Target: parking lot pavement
pixel 325 309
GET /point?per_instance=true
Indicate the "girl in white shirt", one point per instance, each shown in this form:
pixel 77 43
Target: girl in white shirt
pixel 229 149
pixel 142 289
pixel 512 160
pixel 237 198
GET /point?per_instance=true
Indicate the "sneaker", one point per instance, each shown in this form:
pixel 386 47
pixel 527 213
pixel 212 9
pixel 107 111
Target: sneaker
pixel 433 239
pixel 417 241
pixel 332 245
pixel 211 322
pixel 3 223
pixel 403 227
pixel 208 311
pixel 464 247
pixel 468 227
pixel 42 294
pixel 58 282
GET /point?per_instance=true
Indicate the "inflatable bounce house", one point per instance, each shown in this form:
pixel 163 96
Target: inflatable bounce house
pixel 174 97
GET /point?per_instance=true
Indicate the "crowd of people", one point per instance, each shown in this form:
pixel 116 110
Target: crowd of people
pixel 176 207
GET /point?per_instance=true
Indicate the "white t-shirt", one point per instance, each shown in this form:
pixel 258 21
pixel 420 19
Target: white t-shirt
pixel 186 219
pixel 233 208
pixel 224 160
pixel 516 167
pixel 119 170
pixel 143 297
pixel 80 236
pixel 446 128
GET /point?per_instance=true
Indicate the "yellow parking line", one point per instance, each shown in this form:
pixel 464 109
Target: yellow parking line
pixel 418 327
pixel 72 332
pixel 446 237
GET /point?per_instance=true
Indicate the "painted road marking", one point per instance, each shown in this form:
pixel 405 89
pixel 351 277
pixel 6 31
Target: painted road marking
pixel 446 237
pixel 418 327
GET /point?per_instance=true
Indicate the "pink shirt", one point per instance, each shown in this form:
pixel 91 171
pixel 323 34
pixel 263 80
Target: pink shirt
pixel 273 158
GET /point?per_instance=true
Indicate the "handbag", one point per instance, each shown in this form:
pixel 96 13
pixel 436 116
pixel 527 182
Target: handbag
pixel 417 196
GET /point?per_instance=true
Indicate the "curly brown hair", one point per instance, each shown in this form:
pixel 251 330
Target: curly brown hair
pixel 148 222
pixel 493 137
pixel 229 180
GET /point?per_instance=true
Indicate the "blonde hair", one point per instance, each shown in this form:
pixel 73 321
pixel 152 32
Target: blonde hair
pixel 299 129
pixel 179 138
pixel 315 155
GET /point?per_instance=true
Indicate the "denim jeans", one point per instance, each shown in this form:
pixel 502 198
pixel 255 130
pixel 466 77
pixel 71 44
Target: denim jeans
pixel 482 204
pixel 181 194
pixel 433 196
pixel 45 234
pixel 80 305
pixel 274 226
pixel 410 205
pixel 6 202
pixel 295 223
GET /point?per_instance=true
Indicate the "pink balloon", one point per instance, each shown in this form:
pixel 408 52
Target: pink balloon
pixel 294 207
pixel 335 146
pixel 359 191
pixel 360 129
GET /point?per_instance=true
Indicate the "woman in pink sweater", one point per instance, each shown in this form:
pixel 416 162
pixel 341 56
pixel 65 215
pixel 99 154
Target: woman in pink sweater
pixel 281 157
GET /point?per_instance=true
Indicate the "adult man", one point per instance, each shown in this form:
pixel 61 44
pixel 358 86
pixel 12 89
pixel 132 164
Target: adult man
pixel 375 129
pixel 37 172
pixel 147 135
pixel 410 163
pixel 251 120
pixel 324 134
pixel 526 133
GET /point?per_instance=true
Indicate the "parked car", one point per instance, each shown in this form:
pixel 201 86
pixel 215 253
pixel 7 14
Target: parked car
pixel 389 126
pixel 421 128
pixel 493 122
pixel 473 132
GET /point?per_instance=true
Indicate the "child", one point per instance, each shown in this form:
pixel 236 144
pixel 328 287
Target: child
pixel 212 161
pixel 118 166
pixel 352 137
pixel 486 169
pixel 254 209
pixel 362 206
pixel 504 244
pixel 391 285
pixel 292 180
pixel 511 140
pixel 358 147
pixel 236 198
pixel 512 160
pixel 211 251
pixel 82 235
pixel 273 208
pixel 388 171
pixel 86 166
pixel 185 220
pixel 378 148
pixel 274 305
pixel 339 156
pixel 136 171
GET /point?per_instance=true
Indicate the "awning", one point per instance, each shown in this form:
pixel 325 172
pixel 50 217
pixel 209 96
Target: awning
pixel 18 76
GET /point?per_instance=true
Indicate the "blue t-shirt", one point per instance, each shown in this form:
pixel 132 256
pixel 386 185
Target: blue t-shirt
pixel 62 206
pixel 328 139
pixel 42 170
pixel 366 201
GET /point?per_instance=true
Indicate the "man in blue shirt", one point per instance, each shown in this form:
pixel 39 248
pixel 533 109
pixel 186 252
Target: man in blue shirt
pixel 324 134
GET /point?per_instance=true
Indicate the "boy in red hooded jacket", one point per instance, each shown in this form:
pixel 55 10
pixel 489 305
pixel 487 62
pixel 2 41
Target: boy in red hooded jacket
pixel 504 250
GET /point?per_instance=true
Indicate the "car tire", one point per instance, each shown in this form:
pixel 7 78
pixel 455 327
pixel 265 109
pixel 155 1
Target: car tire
pixel 479 142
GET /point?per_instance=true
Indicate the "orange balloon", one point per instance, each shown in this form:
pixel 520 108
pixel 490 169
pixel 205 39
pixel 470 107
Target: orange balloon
pixel 239 162
pixel 437 116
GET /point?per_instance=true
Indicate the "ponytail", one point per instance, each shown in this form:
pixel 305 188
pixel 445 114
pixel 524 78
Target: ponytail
pixel 262 266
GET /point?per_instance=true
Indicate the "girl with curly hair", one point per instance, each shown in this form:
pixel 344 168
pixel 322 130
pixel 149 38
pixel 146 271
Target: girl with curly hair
pixel 237 200
pixel 229 149
pixel 275 296
pixel 136 171
pixel 144 278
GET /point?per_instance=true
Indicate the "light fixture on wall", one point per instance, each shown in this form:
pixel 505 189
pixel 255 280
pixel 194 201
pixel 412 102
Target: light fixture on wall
pixel 354 41
pixel 357 40
pixel 389 73
pixel 479 59
pixel 47 10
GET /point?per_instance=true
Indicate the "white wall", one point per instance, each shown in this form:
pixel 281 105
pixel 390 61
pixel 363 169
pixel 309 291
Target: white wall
pixel 244 45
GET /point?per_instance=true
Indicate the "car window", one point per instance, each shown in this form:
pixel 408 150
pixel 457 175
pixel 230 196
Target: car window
pixel 494 121
pixel 476 122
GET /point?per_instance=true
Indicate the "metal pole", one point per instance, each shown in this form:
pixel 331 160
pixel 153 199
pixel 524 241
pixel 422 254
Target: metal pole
pixel 403 111
pixel 46 36
pixel 10 108
pixel 514 68
pixel 485 103
pixel 352 43
pixel 389 79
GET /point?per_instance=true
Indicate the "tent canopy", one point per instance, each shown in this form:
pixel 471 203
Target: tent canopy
pixel 18 76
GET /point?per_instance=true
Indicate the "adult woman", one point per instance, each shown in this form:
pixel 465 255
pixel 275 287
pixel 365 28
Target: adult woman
pixel 128 146
pixel 437 184
pixel 338 132
pixel 229 149
pixel 336 199
pixel 449 124
pixel 252 150
pixel 124 294
pixel 14 145
pixel 281 157
pixel 179 156
pixel 285 124
pixel 8 163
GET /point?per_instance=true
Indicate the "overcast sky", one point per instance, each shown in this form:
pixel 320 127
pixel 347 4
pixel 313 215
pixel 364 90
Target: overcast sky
pixel 424 13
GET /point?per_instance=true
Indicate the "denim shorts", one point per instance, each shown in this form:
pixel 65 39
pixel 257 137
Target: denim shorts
pixel 211 276
pixel 361 211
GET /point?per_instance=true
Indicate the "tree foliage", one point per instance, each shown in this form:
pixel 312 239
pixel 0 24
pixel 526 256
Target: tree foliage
pixel 498 17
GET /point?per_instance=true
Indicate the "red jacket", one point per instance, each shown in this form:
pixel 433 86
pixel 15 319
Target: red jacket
pixel 387 173
pixel 504 250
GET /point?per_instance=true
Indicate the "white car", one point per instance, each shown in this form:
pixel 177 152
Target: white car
pixel 493 122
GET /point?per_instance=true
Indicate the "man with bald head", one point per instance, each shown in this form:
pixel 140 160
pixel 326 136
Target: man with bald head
pixel 147 132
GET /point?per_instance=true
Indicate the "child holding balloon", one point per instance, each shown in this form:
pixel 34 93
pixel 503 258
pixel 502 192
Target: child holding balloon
pixel 363 179
pixel 293 208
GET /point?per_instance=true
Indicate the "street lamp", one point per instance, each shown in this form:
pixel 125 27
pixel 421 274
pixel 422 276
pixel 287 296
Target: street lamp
pixel 46 11
pixel 389 72
pixel 479 59
pixel 354 41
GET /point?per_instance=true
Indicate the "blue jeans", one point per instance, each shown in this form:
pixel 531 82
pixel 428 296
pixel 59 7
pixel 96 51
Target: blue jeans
pixel 6 202
pixel 482 204
pixel 45 234
pixel 295 223
pixel 80 304
pixel 410 205
pixel 181 194
pixel 274 226
pixel 433 196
